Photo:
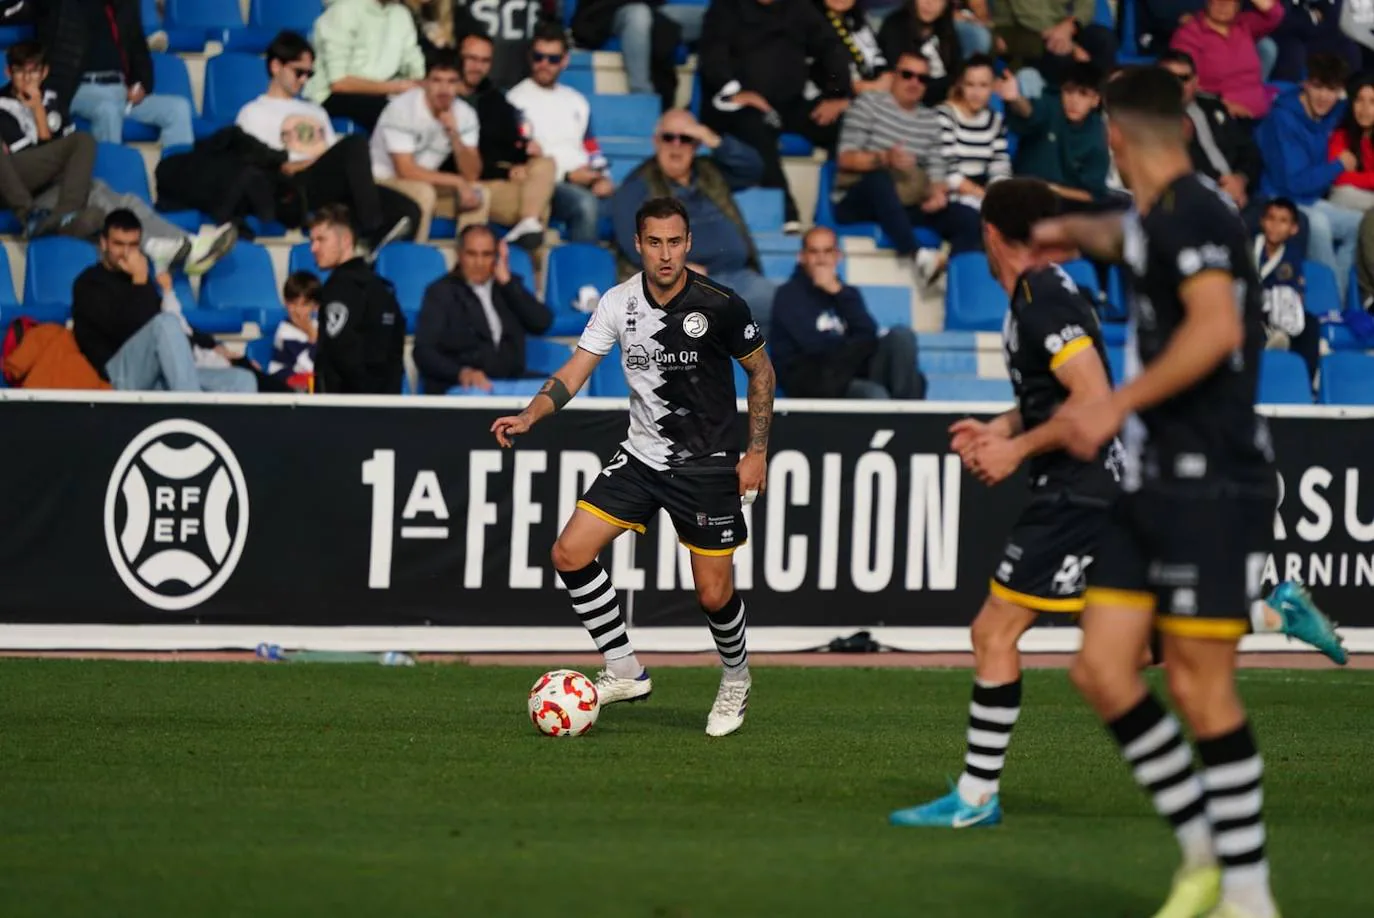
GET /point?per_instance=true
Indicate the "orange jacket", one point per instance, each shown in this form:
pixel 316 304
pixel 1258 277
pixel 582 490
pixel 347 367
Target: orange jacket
pixel 48 358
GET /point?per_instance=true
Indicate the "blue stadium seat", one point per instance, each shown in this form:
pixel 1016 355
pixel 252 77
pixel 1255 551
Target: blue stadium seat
pixel 300 259
pixel 622 166
pixel 947 362
pixel 1114 334
pixel 51 266
pixel 207 15
pixel 761 208
pixel 212 321
pixel 1083 273
pixel 522 264
pixel 7 292
pixel 777 244
pixel 1322 295
pixel 499 387
pixel 443 228
pixel 570 267
pixel 1116 362
pixel 973 300
pixel 1347 378
pixel 1338 335
pixel 242 281
pixel 1283 379
pixel 411 267
pixel 608 379
pixel 889 306
pixel 172 79
pixel 779 266
pixel 232 79
pixel 179 39
pixel 967 389
pixel 122 169
pixel 296 15
pixel 623 115
pixel 795 145
pixel 260 349
pixel 13 35
pixel 639 148
pixel 584 81
pixel 545 356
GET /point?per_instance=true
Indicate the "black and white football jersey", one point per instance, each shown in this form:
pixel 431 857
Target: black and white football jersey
pixel 677 361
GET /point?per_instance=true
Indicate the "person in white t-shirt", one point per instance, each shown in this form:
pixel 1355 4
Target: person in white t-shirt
pixel 560 118
pixel 323 167
pixel 425 146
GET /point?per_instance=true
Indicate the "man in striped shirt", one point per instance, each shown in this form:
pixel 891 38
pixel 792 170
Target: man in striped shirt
pixel 893 166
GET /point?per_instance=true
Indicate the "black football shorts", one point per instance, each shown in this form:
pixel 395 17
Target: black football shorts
pixel 1049 552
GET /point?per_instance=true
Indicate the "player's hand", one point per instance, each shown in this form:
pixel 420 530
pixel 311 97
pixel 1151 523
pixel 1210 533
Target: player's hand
pixel 994 458
pixel 964 433
pixel 753 474
pixel 1089 426
pixel 508 427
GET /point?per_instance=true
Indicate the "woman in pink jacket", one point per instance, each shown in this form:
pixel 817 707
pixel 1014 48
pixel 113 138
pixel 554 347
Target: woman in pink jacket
pixel 1221 40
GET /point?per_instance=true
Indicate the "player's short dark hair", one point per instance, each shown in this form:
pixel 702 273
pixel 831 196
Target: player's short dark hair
pixel 331 215
pixel 973 62
pixel 301 285
pixel 1151 93
pixel 286 47
pixel 1283 204
pixel 443 59
pixel 121 219
pixel 1175 56
pixel 1327 69
pixel 661 209
pixel 1013 206
pixel 550 31
pixel 1082 75
pixel 24 53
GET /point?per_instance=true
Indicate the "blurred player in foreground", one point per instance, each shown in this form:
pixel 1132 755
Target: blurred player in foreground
pixel 677 332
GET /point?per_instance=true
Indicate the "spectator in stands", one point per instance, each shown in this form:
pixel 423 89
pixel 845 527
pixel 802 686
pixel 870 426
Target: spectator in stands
pixel 120 325
pixel 1221 147
pixel 893 171
pixel 294 343
pixel 425 147
pixel 37 137
pixel 1050 37
pixel 1307 27
pixel 1281 275
pixel 1354 188
pixel 1364 261
pixel 1062 138
pixel 1157 20
pixel 928 27
pixel 1357 21
pixel 364 330
pixel 824 341
pixel 369 50
pixel 102 71
pixel 560 118
pixel 973 26
pixel 473 321
pixel 1294 141
pixel 973 137
pixel 509 26
pixel 753 63
pixel 321 168
pixel 1221 41
pixel 649 32
pixel 868 66
pixel 517 180
pixel 721 245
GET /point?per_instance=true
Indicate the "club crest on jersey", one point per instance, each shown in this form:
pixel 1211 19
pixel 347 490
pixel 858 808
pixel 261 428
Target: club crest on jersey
pixel 335 318
pixel 694 324
pixel 751 331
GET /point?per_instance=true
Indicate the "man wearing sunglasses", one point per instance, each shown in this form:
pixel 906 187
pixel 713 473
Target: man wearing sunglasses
pixel 701 169
pixel 561 120
pixel 369 50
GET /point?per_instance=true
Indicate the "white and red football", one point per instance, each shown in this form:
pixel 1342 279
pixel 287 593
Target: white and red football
pixel 563 703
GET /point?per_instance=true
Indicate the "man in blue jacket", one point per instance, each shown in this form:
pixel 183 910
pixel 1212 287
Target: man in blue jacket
pixel 721 245
pixel 825 343
pixel 1293 144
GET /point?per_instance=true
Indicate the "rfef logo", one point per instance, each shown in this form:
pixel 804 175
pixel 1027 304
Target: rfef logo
pixel 176 514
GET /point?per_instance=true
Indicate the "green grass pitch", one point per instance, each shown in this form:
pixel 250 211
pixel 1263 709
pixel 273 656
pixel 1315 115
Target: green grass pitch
pixel 228 789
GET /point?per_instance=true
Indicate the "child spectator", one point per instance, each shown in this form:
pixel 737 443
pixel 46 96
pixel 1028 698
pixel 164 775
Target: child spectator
pixel 293 345
pixel 1355 188
pixel 973 136
pixel 1063 137
pixel 1281 273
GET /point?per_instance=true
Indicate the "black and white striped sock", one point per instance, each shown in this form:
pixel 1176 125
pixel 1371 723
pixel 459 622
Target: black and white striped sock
pixel 992 714
pixel 1232 777
pixel 1162 762
pixel 594 601
pixel 727 628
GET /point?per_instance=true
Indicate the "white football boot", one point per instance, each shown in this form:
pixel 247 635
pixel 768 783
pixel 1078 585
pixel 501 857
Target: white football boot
pixel 611 688
pixel 727 714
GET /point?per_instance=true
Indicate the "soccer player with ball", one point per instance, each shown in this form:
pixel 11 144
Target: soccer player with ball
pixel 678 333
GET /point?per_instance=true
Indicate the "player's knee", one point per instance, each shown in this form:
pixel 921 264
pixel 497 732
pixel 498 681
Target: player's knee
pixel 994 635
pixel 714 596
pixel 569 558
pixel 1090 676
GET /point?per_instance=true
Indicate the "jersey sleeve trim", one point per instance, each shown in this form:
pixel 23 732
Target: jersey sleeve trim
pixel 583 347
pixel 744 357
pixel 1070 351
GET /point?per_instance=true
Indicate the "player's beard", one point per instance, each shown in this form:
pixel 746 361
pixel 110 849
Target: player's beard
pixel 662 287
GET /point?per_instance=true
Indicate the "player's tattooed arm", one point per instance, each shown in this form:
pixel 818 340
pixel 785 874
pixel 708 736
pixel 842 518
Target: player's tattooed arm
pixel 762 382
pixel 556 391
